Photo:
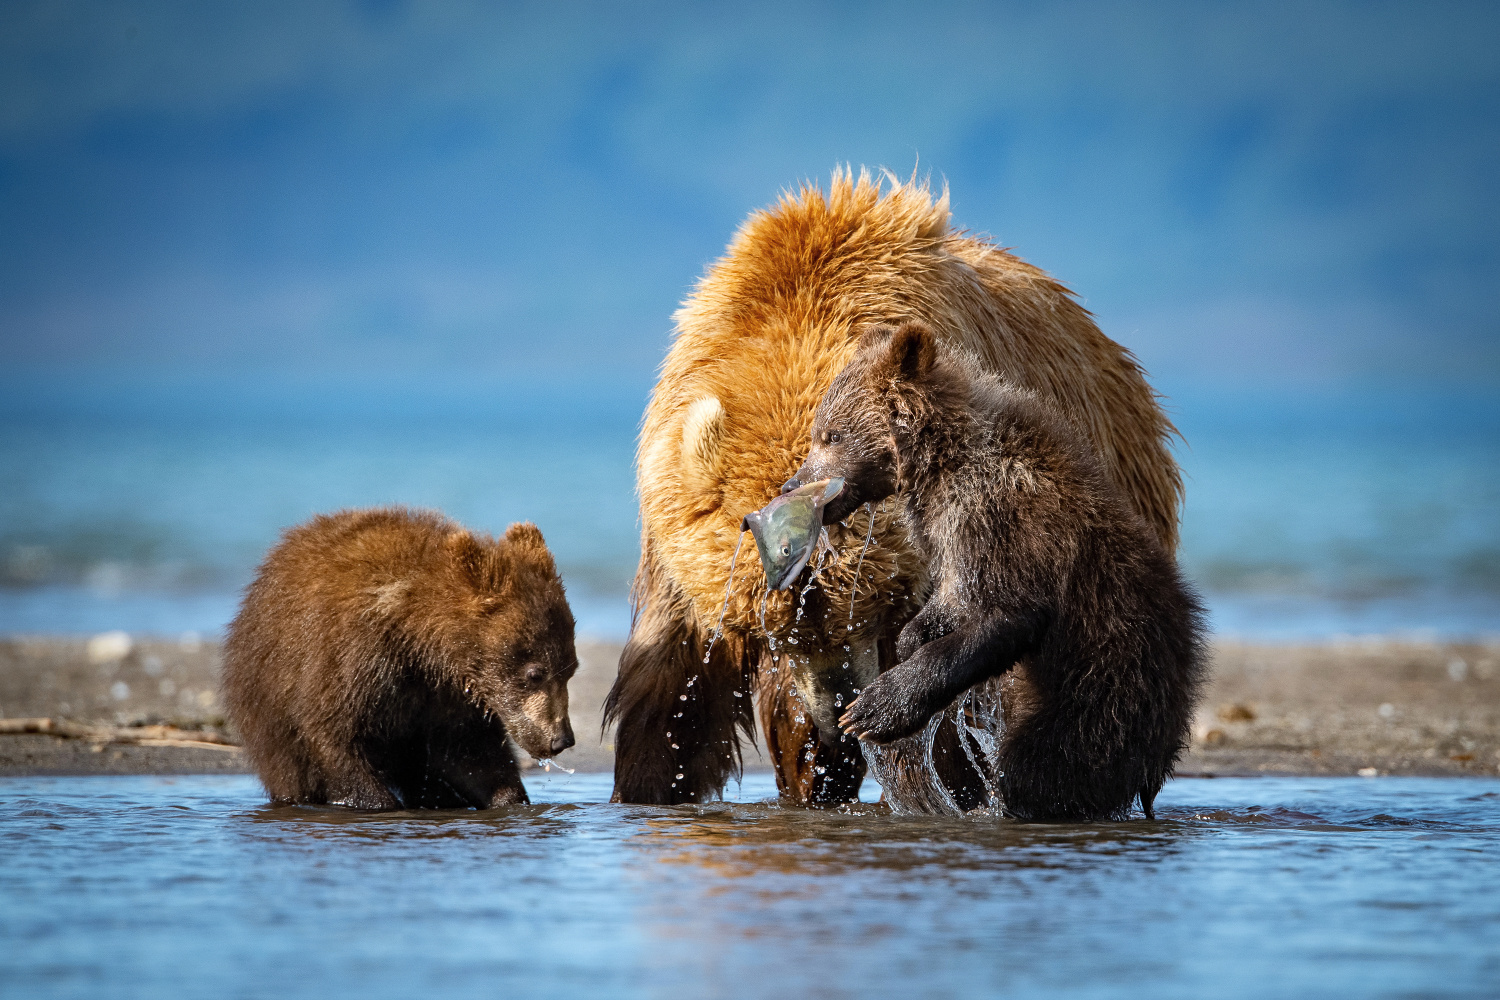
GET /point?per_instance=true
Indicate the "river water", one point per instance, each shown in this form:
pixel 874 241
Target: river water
pixel 1250 887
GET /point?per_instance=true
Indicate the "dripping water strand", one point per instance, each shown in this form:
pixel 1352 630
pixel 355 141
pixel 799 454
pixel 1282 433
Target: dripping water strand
pixel 869 531
pixel 820 555
pixel 719 628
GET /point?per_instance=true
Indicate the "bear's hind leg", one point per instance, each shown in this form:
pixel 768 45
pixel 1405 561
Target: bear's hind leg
pixel 349 780
pixel 808 771
pixel 676 716
pixel 1148 802
pixel 480 766
pixel 456 759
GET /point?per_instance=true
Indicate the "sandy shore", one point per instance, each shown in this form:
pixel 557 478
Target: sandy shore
pixel 116 705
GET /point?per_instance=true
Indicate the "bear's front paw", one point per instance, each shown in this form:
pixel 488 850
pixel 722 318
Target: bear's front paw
pixel 887 710
pixel 929 626
pixel 509 795
pixel 910 640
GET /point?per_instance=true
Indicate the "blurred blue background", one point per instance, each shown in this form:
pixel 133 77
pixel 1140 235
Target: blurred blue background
pixel 262 260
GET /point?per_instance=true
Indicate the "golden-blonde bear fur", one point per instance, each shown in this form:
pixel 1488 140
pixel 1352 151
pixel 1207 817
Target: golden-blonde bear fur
pixel 757 344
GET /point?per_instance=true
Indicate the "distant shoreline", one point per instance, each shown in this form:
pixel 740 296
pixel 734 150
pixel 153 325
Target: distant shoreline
pixel 1341 707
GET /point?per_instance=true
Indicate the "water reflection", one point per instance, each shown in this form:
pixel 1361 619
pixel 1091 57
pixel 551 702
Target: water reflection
pixel 743 841
pixel 334 822
pixel 131 886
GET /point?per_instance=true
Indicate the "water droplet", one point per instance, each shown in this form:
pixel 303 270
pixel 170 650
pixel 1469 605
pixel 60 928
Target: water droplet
pixel 679 775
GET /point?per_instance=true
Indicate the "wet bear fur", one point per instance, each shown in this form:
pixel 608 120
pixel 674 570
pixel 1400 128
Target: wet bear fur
pixel 756 346
pixel 381 658
pixel 1036 560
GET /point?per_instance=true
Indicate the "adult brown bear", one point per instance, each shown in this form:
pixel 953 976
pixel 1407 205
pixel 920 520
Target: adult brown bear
pixel 757 344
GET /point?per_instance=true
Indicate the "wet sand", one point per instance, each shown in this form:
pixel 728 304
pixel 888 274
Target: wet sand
pixel 1369 706
pixel 1350 707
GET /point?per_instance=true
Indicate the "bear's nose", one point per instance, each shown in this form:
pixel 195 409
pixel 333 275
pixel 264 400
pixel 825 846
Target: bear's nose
pixel 562 740
pixel 791 484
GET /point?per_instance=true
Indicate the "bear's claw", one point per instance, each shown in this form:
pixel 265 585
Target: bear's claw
pixel 884 711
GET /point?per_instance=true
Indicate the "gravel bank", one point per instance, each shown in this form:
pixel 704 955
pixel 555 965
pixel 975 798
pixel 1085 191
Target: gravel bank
pixel 1370 706
pixel 114 683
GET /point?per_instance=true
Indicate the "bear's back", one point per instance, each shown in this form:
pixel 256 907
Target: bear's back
pixel 311 621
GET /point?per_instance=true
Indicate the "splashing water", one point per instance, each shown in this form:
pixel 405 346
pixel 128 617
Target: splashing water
pixel 907 770
pixel 548 764
pixel 981 717
pixel 719 628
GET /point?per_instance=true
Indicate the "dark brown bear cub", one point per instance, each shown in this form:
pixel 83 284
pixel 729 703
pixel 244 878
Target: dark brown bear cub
pixel 1037 562
pixel 382 657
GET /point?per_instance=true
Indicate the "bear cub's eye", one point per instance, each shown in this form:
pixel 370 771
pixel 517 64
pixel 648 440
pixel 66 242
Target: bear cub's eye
pixel 534 674
pixel 834 437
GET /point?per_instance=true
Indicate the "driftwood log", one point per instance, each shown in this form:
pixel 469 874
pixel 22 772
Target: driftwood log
pixel 151 736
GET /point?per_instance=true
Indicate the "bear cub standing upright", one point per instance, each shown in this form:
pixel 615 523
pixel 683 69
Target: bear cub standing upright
pixel 382 657
pixel 1036 560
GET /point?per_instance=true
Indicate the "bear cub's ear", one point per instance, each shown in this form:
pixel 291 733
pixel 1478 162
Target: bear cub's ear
pixel 466 553
pixel 913 350
pixel 524 534
pixel 904 353
pixel 525 547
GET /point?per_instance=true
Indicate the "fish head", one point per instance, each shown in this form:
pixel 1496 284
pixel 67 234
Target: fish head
pixel 786 530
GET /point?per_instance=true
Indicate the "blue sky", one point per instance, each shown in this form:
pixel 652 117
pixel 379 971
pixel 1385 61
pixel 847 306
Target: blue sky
pixel 1244 194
